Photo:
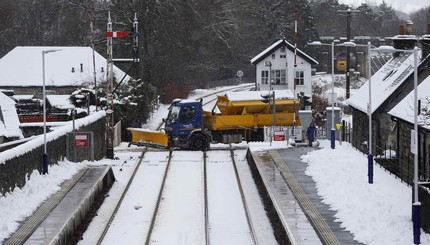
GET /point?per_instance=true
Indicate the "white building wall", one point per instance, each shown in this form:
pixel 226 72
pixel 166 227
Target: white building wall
pixel 286 64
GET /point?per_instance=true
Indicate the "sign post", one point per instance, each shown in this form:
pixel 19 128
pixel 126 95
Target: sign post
pixel 110 88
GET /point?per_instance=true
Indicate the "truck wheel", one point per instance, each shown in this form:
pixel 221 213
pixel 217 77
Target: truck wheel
pixel 198 142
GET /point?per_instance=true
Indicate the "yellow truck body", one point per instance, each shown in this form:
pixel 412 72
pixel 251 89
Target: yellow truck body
pixel 231 113
pixel 235 117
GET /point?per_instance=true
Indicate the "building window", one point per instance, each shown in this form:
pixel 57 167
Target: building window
pixel 283 56
pixel 273 56
pixel 282 49
pixel 264 77
pixel 278 77
pixel 300 78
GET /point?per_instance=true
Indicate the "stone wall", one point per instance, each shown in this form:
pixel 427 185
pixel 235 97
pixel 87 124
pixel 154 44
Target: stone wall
pixel 424 198
pixel 15 171
pixel 360 132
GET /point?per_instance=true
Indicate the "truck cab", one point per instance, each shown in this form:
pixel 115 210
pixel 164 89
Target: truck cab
pixel 184 125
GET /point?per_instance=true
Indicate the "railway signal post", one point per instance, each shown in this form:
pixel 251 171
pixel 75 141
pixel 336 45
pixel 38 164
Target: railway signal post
pixel 110 123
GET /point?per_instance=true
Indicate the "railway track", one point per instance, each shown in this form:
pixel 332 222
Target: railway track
pixel 160 195
pixel 244 230
pixel 199 194
pixel 159 199
pixel 130 181
pixel 244 201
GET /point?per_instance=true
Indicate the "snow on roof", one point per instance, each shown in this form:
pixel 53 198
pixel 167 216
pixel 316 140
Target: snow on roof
pixel 271 48
pixel 403 37
pixel 55 134
pixel 258 56
pixel 60 101
pixel 9 122
pixel 186 101
pixel 405 108
pixel 23 67
pixel 384 82
pixel 23 97
pixel 257 95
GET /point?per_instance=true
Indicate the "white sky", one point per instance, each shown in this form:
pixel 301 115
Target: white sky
pixel 404 5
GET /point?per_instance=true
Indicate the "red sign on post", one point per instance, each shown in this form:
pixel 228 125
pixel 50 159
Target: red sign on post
pixel 279 136
pixel 119 34
pixel 81 140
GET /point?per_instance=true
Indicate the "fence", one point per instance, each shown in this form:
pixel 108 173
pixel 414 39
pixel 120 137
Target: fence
pixel 80 146
pixel 117 134
pixel 283 133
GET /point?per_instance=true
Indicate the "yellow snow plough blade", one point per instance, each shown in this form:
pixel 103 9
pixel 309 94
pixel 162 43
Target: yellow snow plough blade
pixel 140 136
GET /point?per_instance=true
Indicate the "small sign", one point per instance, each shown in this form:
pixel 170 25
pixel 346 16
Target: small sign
pixel 341 65
pixel 239 73
pixel 279 135
pixel 81 140
pixel 296 133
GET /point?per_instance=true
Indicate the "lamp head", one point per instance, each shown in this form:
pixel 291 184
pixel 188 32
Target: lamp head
pixel 386 49
pixel 348 44
pixel 315 43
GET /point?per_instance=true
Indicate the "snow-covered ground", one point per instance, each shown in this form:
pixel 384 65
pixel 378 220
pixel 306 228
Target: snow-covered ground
pixel 375 214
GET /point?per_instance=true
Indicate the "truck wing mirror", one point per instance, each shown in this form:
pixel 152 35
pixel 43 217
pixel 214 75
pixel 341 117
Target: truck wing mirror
pixel 265 98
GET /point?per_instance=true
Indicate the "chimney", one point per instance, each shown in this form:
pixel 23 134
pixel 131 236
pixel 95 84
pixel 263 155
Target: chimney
pixel 425 42
pixel 401 29
pixel 405 39
pixel 408 30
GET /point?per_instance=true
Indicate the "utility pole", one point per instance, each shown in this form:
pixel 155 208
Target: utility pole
pixel 109 95
pixel 94 61
pixel 110 124
pixel 348 37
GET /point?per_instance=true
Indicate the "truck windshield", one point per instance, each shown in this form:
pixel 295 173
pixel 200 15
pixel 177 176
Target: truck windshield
pixel 173 113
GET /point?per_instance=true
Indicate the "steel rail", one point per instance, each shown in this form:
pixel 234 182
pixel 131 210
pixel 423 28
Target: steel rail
pixel 242 194
pixel 205 179
pixel 106 228
pixel 157 206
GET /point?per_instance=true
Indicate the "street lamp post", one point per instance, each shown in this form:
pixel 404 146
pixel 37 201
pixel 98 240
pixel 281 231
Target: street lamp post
pixel 416 204
pixel 414 142
pixel 369 105
pixel 332 132
pixel 45 154
pixel 369 113
pixel 414 135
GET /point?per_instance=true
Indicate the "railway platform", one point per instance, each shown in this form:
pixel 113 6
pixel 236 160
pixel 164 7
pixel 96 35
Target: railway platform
pixel 300 215
pixel 56 220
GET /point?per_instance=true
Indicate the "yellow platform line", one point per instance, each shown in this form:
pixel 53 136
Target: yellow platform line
pixel 30 225
pixel 323 230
